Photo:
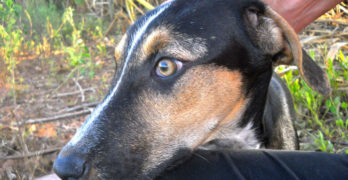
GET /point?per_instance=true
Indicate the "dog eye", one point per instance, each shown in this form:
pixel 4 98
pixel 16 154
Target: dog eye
pixel 168 67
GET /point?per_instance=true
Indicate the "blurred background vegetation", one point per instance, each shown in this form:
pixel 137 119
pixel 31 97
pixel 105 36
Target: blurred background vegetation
pixel 56 61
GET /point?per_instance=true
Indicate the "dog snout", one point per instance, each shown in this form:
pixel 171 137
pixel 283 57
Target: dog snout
pixel 71 166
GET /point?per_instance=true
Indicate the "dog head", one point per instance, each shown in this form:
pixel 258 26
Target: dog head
pixel 188 71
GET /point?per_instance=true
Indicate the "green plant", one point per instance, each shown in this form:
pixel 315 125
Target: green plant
pixel 79 55
pixel 323 144
pixel 325 118
pixel 40 12
pixel 11 39
pixel 132 8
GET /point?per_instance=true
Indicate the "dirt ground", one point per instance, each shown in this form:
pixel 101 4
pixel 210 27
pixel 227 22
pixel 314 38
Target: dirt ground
pixel 57 105
pixel 63 101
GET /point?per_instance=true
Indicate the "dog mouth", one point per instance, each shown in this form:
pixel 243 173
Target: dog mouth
pixel 91 173
pixel 88 173
pixel 98 172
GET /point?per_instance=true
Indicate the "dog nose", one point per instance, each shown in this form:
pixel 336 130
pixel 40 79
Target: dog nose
pixel 70 167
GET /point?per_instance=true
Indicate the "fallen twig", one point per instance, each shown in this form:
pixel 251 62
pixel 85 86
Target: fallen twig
pixel 332 21
pixel 340 143
pixel 66 80
pixel 32 154
pixel 343 85
pixel 290 68
pixel 82 92
pixel 80 106
pixel 73 93
pixel 315 38
pixel 54 118
pixel 343 89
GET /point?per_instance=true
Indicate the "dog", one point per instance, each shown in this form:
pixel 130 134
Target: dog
pixel 193 74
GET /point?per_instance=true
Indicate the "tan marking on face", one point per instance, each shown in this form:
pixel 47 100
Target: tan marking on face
pixel 230 120
pixel 179 46
pixel 205 98
pixel 186 48
pixel 217 96
pixel 156 41
pixel 120 48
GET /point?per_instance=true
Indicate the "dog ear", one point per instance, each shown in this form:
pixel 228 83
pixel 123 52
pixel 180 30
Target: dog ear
pixel 272 34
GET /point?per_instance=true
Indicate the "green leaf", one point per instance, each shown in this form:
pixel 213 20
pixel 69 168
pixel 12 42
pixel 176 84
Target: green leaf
pixel 322 141
pixel 340 123
pixel 17 9
pixel 9 3
pixel 312 54
pixel 328 103
pixel 91 74
pixel 337 100
pixel 333 109
pixel 86 55
pixel 82 61
pixel 78 2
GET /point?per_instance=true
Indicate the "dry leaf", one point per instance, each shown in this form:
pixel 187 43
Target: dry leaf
pixel 334 49
pixel 46 130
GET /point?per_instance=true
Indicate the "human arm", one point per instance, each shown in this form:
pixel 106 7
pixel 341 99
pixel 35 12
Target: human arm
pixel 300 13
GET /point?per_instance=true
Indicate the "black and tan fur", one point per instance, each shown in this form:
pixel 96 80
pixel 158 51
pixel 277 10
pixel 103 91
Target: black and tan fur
pixel 224 96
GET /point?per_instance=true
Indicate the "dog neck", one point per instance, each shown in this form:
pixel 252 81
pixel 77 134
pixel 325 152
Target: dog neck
pixel 245 130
